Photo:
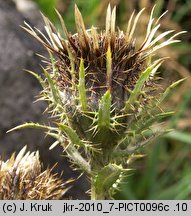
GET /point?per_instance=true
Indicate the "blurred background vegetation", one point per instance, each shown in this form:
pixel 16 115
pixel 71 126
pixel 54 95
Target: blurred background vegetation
pixel 165 172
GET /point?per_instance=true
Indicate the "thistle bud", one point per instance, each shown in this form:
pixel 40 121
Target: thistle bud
pixel 22 178
pixel 102 89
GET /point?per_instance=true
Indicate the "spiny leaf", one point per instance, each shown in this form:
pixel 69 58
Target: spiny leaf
pixel 71 134
pixel 32 125
pixel 39 78
pixel 118 153
pixel 148 121
pixel 139 85
pixel 169 90
pixel 55 93
pixel 106 177
pixel 104 120
pixel 53 64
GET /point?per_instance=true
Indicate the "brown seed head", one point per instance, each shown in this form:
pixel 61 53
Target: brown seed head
pixel 22 178
pixel 110 57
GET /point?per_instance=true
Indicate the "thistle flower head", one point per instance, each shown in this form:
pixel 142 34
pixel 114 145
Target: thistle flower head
pixel 102 89
pixel 92 61
pixel 22 178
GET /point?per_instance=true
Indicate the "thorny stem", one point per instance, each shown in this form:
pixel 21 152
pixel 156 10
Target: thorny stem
pixel 98 196
pixel 76 156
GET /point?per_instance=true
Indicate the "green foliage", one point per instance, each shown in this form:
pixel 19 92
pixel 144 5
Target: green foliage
pixel 47 6
pixel 163 176
pixel 107 179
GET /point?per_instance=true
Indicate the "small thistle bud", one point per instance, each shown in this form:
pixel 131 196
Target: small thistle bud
pixel 102 90
pixel 22 178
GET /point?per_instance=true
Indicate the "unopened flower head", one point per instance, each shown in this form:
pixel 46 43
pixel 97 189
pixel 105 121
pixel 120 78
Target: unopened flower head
pixel 93 61
pixel 22 178
pixel 101 88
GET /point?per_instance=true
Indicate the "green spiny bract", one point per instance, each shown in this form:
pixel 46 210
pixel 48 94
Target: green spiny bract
pixel 103 92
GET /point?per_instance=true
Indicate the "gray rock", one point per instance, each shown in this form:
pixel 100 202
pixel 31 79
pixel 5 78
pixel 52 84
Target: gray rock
pixel 18 90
